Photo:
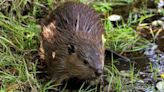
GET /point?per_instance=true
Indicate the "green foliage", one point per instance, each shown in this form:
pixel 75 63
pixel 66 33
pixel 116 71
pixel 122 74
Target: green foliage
pixel 19 35
pixel 123 38
pixel 114 78
pixel 107 6
pixel 102 7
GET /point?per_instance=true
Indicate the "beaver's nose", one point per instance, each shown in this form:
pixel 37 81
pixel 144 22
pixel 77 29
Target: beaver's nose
pixel 98 72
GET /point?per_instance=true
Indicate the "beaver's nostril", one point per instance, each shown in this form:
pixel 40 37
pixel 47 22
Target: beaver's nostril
pixel 99 72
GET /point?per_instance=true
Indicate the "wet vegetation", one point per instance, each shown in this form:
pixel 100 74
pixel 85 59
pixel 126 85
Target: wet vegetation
pixel 135 35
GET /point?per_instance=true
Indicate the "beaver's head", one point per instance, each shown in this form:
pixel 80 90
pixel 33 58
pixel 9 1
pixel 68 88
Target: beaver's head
pixel 86 58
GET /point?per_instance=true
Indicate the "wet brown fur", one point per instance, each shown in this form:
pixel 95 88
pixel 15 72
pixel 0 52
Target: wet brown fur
pixel 78 25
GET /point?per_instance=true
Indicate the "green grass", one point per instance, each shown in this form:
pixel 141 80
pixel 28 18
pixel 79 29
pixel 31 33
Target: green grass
pixel 19 38
pixel 17 41
pixel 123 38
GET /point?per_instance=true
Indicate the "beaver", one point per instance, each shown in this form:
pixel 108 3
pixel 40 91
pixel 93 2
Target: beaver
pixel 71 42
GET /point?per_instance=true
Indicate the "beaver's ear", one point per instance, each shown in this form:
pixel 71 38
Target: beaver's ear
pixel 71 49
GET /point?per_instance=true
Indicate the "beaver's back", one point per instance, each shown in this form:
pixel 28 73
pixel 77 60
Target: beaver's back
pixel 74 19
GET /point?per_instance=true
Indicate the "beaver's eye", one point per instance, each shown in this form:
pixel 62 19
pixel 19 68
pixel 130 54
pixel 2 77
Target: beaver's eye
pixel 85 62
pixel 71 49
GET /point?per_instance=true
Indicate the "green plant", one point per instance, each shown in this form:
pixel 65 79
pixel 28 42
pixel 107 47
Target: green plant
pixel 17 41
pixel 102 7
pixel 123 38
pixel 114 79
pixel 22 36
